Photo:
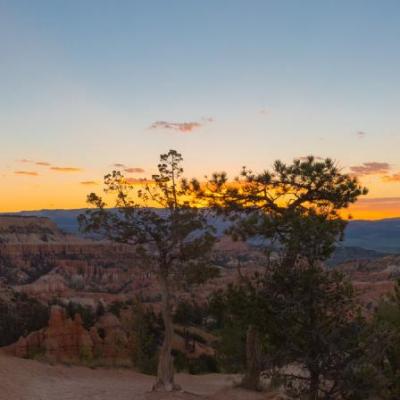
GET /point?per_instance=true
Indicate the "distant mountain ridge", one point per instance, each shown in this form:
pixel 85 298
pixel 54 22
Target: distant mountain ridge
pixel 382 236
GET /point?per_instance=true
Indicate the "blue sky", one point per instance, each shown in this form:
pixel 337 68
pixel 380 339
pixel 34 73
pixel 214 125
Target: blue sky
pixel 82 82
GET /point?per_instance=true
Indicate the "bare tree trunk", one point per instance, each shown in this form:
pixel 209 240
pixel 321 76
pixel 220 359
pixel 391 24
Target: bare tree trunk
pixel 251 380
pixel 165 370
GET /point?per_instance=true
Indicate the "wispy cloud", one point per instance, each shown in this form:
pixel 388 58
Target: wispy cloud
pixel 138 181
pixel 66 169
pixel 134 170
pixel 51 166
pixel 26 173
pixel 129 170
pixel 370 168
pixel 183 127
pixel 89 183
pixel 28 161
pixel 392 178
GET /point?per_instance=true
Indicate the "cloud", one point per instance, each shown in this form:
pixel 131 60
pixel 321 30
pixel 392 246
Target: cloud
pixel 134 170
pixel 138 181
pixel 26 173
pixel 129 170
pixel 66 169
pixel 184 127
pixel 392 178
pixel 89 183
pixel 370 168
pixel 40 163
pixel 361 134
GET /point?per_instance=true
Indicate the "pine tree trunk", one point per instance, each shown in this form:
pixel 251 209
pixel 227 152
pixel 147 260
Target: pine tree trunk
pixel 314 386
pixel 251 380
pixel 165 370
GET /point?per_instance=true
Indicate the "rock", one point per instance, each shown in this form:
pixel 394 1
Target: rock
pixel 67 340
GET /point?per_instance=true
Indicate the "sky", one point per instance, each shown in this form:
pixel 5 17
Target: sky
pixel 85 85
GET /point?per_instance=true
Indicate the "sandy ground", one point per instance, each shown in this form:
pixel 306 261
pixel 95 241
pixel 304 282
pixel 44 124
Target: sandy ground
pixel 32 380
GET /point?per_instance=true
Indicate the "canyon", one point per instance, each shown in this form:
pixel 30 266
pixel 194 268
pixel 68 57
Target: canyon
pixel 41 262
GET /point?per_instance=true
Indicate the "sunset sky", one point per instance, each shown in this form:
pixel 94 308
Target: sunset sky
pixel 88 84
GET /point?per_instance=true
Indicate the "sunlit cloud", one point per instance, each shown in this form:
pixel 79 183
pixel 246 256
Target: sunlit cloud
pixel 66 169
pixel 184 127
pixel 26 173
pixel 89 183
pixel 129 170
pixel 370 168
pixel 134 170
pixel 392 178
pixel 138 181
pixel 39 163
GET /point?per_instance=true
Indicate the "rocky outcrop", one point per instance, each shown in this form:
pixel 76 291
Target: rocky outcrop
pixel 66 340
pixel 109 342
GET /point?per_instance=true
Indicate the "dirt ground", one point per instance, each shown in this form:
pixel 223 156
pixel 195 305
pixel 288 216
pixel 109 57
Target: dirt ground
pixel 31 380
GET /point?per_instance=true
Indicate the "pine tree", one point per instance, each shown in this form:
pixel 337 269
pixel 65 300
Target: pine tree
pixel 174 239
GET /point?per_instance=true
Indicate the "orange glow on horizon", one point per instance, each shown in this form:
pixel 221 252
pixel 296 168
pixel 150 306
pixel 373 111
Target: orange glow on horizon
pixel 25 192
